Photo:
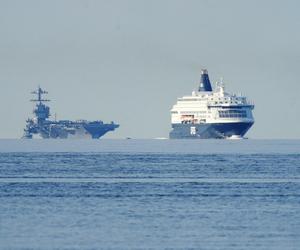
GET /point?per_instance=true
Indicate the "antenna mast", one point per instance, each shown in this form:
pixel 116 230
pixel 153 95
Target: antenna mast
pixel 39 94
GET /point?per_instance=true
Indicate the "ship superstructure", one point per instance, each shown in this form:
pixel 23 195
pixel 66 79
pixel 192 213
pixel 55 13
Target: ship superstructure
pixel 209 113
pixel 41 126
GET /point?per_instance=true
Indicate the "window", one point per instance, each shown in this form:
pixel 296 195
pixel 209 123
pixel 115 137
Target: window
pixel 232 114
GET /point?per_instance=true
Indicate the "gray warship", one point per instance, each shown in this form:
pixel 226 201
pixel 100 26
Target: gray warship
pixel 42 127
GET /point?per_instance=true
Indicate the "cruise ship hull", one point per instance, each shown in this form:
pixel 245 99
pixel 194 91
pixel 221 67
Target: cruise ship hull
pixel 210 130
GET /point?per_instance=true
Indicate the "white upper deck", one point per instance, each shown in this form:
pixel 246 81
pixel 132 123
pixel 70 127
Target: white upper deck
pixel 212 107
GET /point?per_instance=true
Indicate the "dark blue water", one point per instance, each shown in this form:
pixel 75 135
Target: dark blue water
pixel 150 195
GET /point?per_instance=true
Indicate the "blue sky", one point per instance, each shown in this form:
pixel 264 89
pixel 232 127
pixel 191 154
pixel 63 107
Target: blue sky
pixel 128 61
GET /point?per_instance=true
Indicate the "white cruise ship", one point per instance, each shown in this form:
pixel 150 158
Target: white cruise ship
pixel 211 113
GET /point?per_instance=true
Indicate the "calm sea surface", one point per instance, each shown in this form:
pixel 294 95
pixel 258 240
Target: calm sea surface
pixel 150 194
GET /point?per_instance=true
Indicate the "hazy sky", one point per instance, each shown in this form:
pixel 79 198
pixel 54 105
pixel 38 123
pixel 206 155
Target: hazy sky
pixel 128 61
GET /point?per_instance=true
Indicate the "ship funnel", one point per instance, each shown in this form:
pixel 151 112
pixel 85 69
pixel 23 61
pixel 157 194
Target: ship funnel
pixel 204 81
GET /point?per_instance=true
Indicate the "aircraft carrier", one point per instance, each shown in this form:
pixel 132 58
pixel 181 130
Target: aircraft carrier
pixel 41 127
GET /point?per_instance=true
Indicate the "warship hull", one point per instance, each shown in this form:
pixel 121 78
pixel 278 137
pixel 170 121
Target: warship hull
pixel 70 130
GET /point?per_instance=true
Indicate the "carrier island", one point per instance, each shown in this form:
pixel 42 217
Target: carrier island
pixel 209 113
pixel 40 126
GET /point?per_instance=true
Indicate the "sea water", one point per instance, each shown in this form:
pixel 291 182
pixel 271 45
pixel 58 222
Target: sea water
pixel 150 194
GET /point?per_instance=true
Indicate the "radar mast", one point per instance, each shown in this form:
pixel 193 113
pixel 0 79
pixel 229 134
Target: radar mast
pixel 39 94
